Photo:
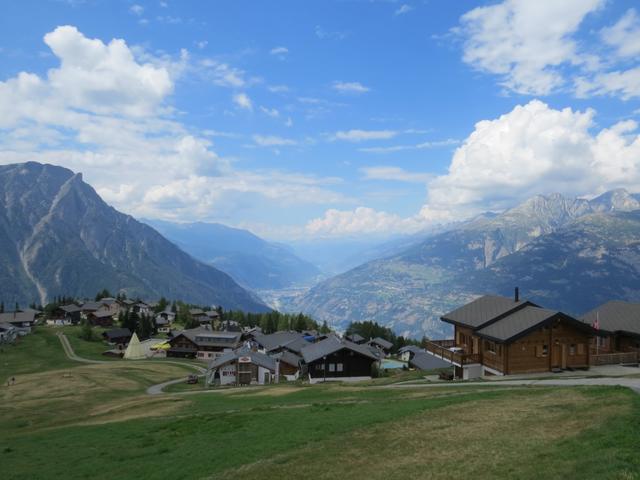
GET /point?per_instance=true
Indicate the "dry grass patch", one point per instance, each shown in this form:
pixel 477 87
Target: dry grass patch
pixel 137 407
pixel 482 439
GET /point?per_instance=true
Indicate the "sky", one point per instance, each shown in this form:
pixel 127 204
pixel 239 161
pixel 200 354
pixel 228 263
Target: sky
pixel 324 119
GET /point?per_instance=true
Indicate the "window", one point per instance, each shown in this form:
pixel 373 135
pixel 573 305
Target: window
pixel 489 346
pixel 545 350
pixel 332 367
pixel 572 349
pixel 319 366
pixel 339 367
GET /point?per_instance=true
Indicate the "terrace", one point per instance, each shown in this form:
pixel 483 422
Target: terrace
pixel 447 350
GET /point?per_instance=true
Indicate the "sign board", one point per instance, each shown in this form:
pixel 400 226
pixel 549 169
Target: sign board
pixel 244 360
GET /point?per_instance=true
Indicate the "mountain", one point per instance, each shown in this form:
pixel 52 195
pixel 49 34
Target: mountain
pixel 250 260
pixel 58 237
pixel 408 291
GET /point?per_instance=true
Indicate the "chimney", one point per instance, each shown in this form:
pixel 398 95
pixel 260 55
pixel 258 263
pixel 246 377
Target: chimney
pixel 516 296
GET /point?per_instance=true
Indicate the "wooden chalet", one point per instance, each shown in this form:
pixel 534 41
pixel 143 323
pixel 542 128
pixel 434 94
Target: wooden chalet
pixel 65 315
pixel 281 341
pixel 242 367
pixel 335 358
pixel 101 318
pixel 289 364
pixel 22 321
pixel 382 344
pixel 617 327
pixel 503 336
pixel 202 343
pixel 118 336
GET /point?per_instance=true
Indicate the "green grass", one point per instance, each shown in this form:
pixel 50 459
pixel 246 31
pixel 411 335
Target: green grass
pixel 36 352
pixel 92 350
pixel 348 432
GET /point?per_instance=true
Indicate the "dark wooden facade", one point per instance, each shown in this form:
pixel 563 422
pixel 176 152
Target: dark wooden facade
pixel 555 344
pixel 343 363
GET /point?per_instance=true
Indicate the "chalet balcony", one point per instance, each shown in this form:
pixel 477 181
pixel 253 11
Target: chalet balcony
pixel 446 350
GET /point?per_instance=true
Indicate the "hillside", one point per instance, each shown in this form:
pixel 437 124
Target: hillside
pixel 57 236
pixel 410 290
pixel 250 260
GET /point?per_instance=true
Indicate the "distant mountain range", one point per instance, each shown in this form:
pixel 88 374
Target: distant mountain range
pixel 565 253
pixel 58 237
pixel 250 260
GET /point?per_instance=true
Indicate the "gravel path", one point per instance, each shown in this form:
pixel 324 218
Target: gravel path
pixel 68 350
pixel 632 383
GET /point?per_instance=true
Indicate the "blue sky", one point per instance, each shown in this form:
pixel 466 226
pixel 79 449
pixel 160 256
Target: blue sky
pixel 324 119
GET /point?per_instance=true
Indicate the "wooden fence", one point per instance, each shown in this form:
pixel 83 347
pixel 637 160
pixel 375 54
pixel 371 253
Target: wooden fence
pixel 614 358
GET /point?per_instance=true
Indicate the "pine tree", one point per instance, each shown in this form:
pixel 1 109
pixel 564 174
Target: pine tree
pixel 325 328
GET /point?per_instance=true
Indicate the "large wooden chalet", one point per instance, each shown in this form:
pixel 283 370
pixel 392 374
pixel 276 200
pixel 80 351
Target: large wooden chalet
pixel 503 336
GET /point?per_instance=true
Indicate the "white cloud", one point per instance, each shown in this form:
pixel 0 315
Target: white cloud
pixel 526 42
pixel 136 9
pixel 404 8
pixel 323 34
pixel 624 36
pixel 350 87
pixel 103 111
pixel 362 220
pixel 420 146
pixel 280 52
pixel 270 112
pixel 396 174
pixel 243 101
pixel 202 44
pixel 222 74
pixel 625 84
pixel 531 150
pixel 363 135
pixel 273 141
pixel 278 88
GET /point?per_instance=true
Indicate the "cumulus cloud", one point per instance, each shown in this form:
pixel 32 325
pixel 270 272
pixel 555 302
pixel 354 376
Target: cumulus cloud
pixel 242 100
pixel 362 220
pixel 103 111
pixel 357 135
pixel 350 87
pixel 525 43
pixel 535 149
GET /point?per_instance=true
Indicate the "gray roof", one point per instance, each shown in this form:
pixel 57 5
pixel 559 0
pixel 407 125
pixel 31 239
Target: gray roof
pixel 483 310
pixel 117 333
pixel 87 306
pixel 288 357
pixel 17 317
pixel 616 316
pixel 382 342
pixel 204 336
pixel 410 348
pixel 517 323
pixel 72 308
pixel 273 341
pixel 332 344
pixel 196 311
pixel 257 358
pixel 425 361
pixel 102 313
pixel 356 338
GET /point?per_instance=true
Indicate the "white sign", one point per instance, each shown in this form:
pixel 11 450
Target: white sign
pixel 244 360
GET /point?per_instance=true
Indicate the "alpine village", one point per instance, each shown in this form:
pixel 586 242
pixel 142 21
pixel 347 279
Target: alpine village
pixel 333 239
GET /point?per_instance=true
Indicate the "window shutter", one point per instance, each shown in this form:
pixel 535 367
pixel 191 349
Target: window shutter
pixel 538 350
pixel 581 349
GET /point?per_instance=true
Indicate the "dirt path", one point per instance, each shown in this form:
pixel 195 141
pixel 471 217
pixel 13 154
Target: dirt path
pixel 632 383
pixel 68 350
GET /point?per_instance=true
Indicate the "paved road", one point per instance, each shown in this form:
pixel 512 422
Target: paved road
pixel 632 383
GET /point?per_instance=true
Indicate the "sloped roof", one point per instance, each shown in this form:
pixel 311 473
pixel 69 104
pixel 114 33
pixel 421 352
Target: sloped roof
pixel 424 361
pixel 102 313
pixel 410 348
pixel 276 340
pixel 382 342
pixel 71 308
pixel 355 338
pixel 616 316
pixel 518 323
pixel 117 333
pixel 288 357
pixel 332 344
pixel 483 310
pixel 257 358
pixel 17 317
pixel 206 337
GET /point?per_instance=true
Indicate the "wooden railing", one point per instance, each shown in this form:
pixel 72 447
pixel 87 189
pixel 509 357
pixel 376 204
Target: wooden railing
pixel 614 358
pixel 441 348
